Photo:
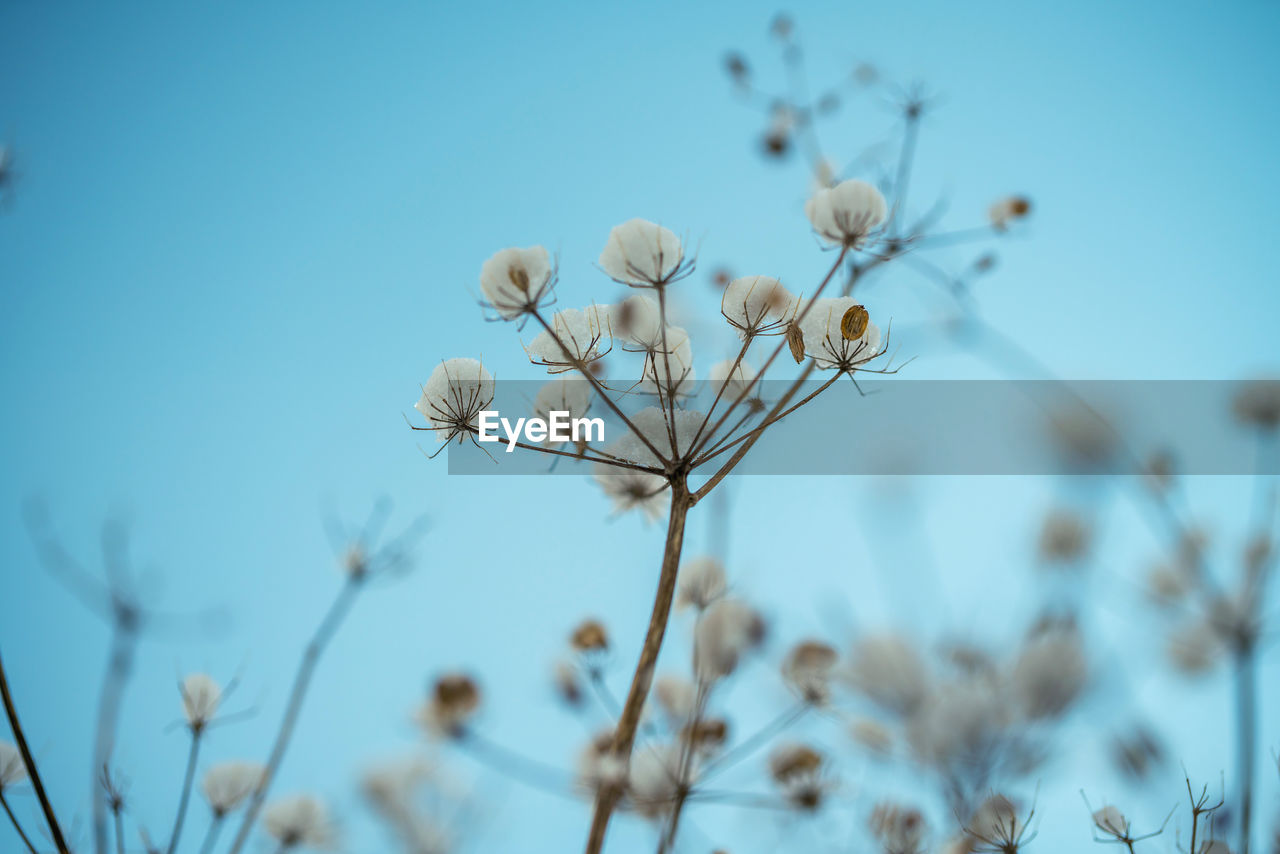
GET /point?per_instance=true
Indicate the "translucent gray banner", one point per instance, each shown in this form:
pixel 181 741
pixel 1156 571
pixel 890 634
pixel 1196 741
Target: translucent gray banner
pixel 889 426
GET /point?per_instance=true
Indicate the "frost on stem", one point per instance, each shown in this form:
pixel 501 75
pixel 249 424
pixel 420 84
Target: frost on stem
pixel 12 768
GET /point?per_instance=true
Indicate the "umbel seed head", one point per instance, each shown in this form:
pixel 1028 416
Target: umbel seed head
pixel 590 636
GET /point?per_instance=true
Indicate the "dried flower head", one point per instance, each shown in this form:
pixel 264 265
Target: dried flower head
pixel 516 282
pixel 589 636
pixel 564 678
pixel 824 335
pixel 655 778
pixel 633 490
pixel 872 735
pixel 706 736
pixel 808 668
pixel 200 699
pixel 889 671
pixel 1258 403
pixel 563 394
pixel 598 765
pixel 454 701
pixel 1195 647
pixel 728 630
pixel 846 214
pixel 576 337
pixel 1007 210
pixel 757 305
pixel 643 254
pixel 12 769
pixel 800 771
pixel 299 821
pixel 1050 672
pixel 701 582
pixel 669 368
pixel 675 695
pixel 900 830
pixel 454 396
pixel 742 381
pixel 227 784
pixel 1064 537
pixel 1111 821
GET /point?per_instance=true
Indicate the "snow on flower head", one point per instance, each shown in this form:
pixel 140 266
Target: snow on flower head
pixel 298 821
pixel 516 281
pixel 643 254
pixel 757 305
pixel 676 696
pixel 12 768
pixel 669 367
pixel 637 320
pixel 200 699
pixel 1111 821
pixel 701 582
pixel 728 630
pixel 741 382
pixel 576 336
pixel 454 396
pixel 655 777
pixel 563 394
pixel 227 784
pixel 838 333
pixel 634 490
pixel 847 213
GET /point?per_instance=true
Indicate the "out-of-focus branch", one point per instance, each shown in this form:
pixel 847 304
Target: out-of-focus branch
pixel 19 737
pixel 297 695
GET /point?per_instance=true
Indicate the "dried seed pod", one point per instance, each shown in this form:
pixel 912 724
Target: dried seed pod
pixel 795 340
pixel 707 735
pixel 589 636
pixel 793 761
pixel 854 323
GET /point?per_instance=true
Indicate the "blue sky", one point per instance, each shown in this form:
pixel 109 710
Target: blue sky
pixel 242 235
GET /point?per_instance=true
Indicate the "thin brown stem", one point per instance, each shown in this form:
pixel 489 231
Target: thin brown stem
pixel 55 830
pixel 629 721
pixel 13 818
pixel 754 436
pixel 759 378
pixel 301 681
pixel 1246 678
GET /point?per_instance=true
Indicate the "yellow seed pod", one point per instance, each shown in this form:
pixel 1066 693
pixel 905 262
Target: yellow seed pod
pixel 854 323
pixel 795 340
